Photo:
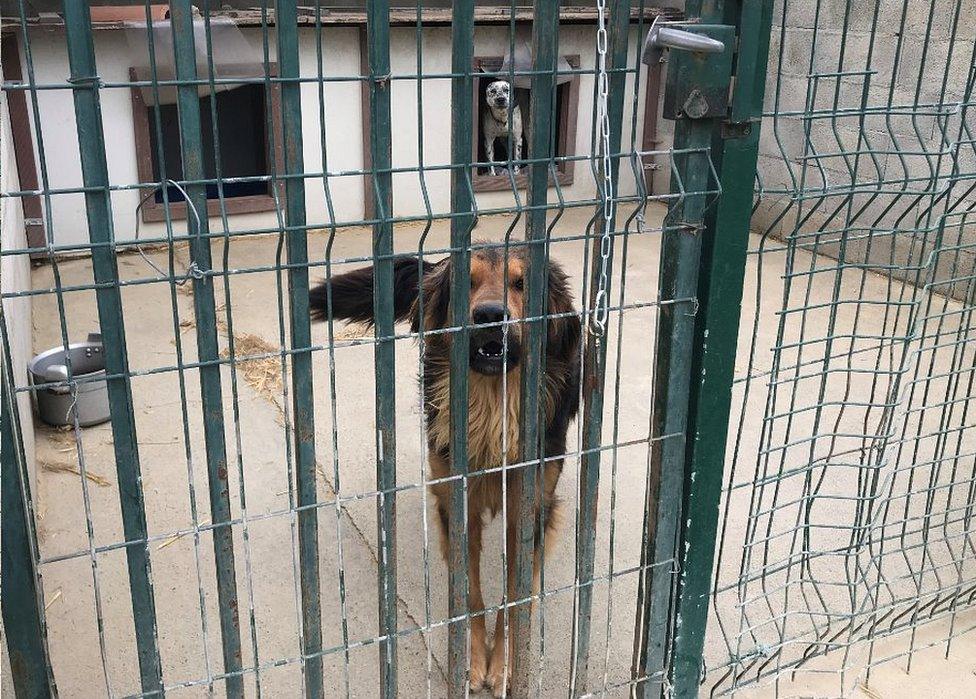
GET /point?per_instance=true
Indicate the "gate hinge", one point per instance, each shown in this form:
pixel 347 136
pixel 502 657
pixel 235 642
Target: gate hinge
pixel 736 129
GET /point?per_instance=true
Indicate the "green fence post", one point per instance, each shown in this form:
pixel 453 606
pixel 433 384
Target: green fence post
pixel 595 356
pixel 696 98
pixel 91 144
pixel 462 65
pixel 301 341
pixel 191 149
pixel 545 37
pixel 25 629
pixel 723 261
pixel 381 153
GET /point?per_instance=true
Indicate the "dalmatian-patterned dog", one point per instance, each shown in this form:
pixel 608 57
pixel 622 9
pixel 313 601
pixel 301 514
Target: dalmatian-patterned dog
pixel 494 121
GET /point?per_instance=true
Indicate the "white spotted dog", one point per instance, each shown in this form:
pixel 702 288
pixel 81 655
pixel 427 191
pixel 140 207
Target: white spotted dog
pixel 495 121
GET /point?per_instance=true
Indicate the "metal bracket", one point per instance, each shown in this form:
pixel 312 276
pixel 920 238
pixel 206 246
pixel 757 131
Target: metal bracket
pixel 690 228
pixel 736 129
pixel 661 37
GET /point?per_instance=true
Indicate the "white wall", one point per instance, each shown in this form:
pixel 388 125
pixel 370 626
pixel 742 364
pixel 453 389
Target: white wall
pixel 115 54
pixel 15 275
pixel 489 41
pixel 343 134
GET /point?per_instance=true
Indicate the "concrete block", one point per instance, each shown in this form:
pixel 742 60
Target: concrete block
pixel 845 94
pixel 849 154
pixel 775 176
pixel 788 94
pixel 961 56
pixel 966 30
pixel 922 66
pixel 796 51
pixel 916 17
pixel 826 50
pixel 801 14
pixel 856 15
pixel 783 138
pixel 770 216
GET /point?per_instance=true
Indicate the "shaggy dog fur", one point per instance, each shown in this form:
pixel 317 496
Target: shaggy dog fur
pixel 427 286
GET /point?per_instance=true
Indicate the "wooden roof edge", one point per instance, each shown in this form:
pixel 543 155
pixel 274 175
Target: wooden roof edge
pixel 398 17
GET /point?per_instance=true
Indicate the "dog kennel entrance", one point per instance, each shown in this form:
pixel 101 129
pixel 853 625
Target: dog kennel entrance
pixel 220 367
pixel 565 121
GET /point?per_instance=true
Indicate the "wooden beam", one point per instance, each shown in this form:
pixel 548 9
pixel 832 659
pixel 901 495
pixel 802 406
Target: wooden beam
pixel 398 16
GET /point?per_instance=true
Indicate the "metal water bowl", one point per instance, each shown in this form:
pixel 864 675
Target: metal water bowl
pixel 55 403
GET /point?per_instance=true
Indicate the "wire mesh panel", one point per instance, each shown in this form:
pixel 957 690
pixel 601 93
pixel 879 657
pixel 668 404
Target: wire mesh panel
pixel 263 218
pixel 846 530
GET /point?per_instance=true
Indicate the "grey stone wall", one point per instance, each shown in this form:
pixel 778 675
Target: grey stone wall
pixel 867 149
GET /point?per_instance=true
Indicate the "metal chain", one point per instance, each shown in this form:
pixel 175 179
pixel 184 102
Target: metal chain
pixel 601 305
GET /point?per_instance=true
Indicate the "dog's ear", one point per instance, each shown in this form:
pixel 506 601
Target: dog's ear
pixel 430 311
pixel 563 334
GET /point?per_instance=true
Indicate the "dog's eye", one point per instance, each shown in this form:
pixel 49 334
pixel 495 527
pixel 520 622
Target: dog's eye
pixel 518 284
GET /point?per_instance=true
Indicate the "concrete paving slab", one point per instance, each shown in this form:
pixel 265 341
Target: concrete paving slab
pixel 266 548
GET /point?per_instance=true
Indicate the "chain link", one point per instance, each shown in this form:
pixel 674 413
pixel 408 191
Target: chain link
pixel 601 302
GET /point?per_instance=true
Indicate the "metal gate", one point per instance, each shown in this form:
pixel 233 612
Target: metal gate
pixel 311 566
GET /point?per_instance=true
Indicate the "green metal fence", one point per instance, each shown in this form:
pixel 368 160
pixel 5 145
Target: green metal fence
pixel 311 567
pixel 846 531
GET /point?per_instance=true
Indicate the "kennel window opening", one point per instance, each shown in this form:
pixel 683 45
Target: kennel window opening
pixel 567 104
pixel 245 141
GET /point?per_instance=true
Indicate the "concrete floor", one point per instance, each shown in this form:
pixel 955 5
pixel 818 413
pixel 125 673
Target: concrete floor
pixel 174 476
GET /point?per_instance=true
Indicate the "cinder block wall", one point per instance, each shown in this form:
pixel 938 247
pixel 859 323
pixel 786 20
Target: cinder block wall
pixel 868 141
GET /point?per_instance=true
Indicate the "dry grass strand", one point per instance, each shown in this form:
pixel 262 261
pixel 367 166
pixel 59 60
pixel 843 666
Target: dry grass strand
pixel 98 480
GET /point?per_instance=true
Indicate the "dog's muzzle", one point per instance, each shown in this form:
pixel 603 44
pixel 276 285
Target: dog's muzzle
pixel 500 102
pixel 491 351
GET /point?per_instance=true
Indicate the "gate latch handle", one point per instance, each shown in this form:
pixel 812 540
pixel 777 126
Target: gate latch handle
pixel 663 37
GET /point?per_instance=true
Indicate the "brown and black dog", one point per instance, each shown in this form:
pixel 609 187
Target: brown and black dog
pixel 425 286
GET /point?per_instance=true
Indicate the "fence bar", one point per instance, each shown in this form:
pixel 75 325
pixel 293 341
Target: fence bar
pixel 286 22
pixel 594 367
pixel 716 333
pixel 462 65
pixel 191 148
pixel 545 35
pixel 24 624
pixel 681 246
pixel 91 144
pixel 384 353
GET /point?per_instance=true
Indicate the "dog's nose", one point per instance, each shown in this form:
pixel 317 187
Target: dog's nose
pixel 490 312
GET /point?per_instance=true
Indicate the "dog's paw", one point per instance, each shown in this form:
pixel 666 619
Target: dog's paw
pixel 479 665
pixel 516 169
pixel 498 677
pixel 478 677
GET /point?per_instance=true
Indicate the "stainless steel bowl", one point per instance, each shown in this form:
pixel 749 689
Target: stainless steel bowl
pixel 55 402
